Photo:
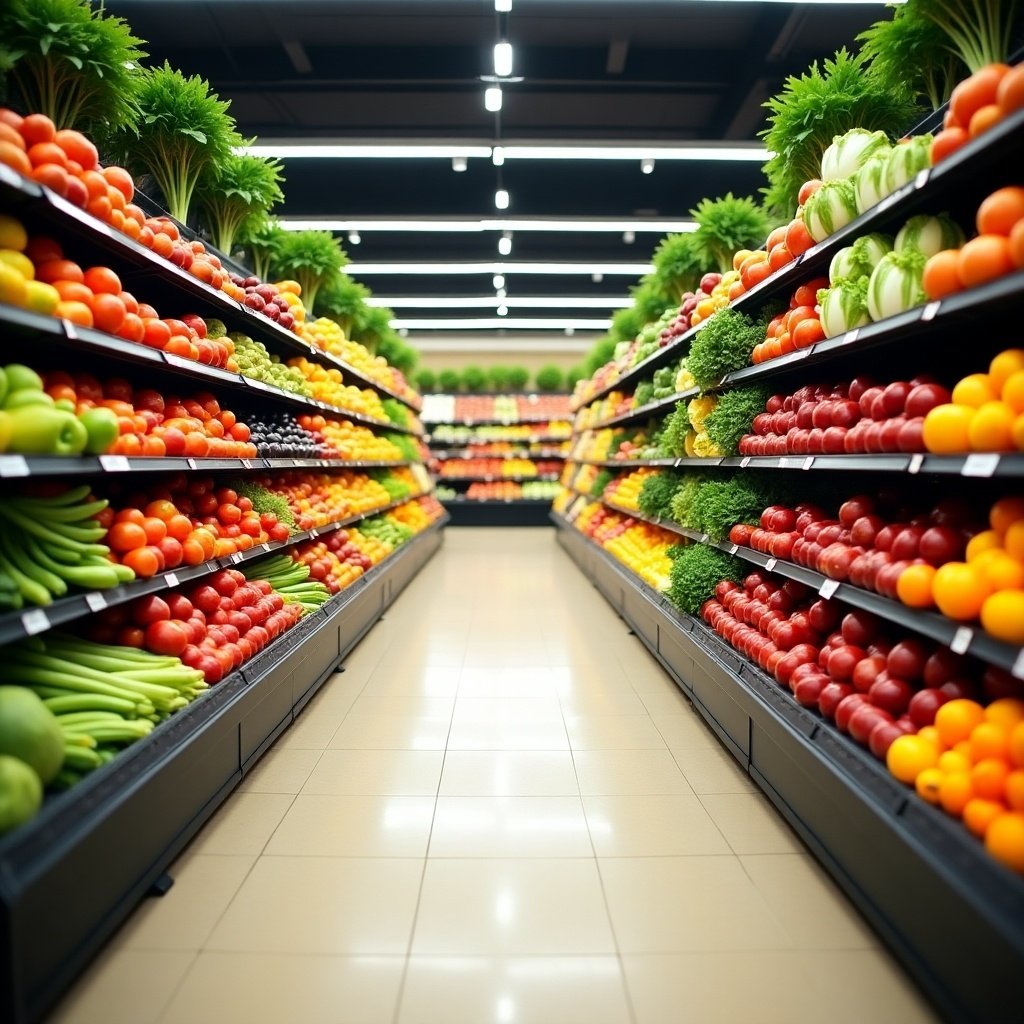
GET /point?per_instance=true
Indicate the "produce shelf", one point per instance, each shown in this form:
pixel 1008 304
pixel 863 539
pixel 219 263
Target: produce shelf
pixel 504 422
pixel 963 639
pixel 549 478
pixel 23 197
pixel 48 466
pixel 517 512
pixel 30 621
pixel 534 439
pixel 452 455
pixel 96 344
pixel 959 179
pixel 96 850
pixel 975 465
pixel 917 875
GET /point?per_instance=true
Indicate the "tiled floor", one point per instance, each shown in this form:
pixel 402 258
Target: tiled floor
pixel 501 811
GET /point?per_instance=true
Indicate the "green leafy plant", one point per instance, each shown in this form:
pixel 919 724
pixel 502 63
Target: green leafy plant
pixel 655 498
pixel 651 298
pixel 575 374
pixel 812 109
pixel 696 571
pixel 718 505
pixel 312 258
pixel 241 188
pixel 73 62
pixel 374 328
pixel 679 263
pixel 733 415
pixel 723 344
pixel 344 301
pixel 474 379
pixel 396 352
pixel 448 381
pixel 910 53
pixel 673 436
pixel 550 378
pixel 682 500
pixel 426 380
pixel 497 379
pixel 626 324
pixel 726 225
pixel 261 238
pixel 518 378
pixel 601 353
pixel 977 31
pixel 601 481
pixel 184 131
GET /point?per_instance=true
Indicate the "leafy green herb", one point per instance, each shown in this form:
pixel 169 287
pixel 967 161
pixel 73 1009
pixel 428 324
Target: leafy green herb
pixel 426 380
pixel 550 378
pixel 812 109
pixel 261 237
pixel 643 394
pixel 726 225
pixel 696 571
pixel 733 416
pixel 910 53
pixel 394 351
pixel 723 344
pixel 449 381
pixel 497 379
pixel 265 501
pixel 344 301
pixel 719 505
pixel 626 325
pixel 677 426
pixel 682 500
pixel 73 62
pixel 241 188
pixel 978 31
pixel 651 299
pixel 655 498
pixel 519 377
pixel 310 257
pixel 679 263
pixel 602 352
pixel 395 411
pixel 373 328
pixel 474 379
pixel 601 481
pixel 184 132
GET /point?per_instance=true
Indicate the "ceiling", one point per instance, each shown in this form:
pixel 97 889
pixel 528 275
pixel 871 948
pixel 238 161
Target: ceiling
pixel 650 74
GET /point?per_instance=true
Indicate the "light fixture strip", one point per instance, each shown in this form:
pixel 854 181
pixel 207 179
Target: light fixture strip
pixel 493 323
pixel 444 269
pixel 486 224
pixel 489 301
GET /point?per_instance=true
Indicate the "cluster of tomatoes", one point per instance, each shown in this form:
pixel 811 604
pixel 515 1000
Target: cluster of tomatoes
pixel 152 425
pixel 186 521
pixel 798 327
pixel 978 103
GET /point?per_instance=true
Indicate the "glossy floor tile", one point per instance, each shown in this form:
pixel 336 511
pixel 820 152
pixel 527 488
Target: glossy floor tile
pixel 501 811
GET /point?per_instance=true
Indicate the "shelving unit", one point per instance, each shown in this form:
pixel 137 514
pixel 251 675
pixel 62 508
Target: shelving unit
pixel 916 873
pixel 497 439
pixel 125 822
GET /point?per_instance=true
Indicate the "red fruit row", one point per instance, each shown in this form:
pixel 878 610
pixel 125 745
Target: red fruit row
pixel 847 664
pixel 856 418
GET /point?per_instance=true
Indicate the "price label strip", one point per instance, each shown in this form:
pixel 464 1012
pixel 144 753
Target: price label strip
pixel 961 640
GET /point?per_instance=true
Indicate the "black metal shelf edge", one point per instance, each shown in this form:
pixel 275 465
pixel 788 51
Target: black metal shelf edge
pixel 979 464
pixel 30 621
pixel 497 479
pixel 483 503
pixel 59 211
pixel 967 639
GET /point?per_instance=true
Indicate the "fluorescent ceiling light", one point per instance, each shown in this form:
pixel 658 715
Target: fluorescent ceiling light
pixel 505 245
pixel 503 59
pixel 705 151
pixel 490 301
pixel 498 156
pixel 322 150
pixel 494 323
pixel 492 100
pixel 647 166
pixel 638 226
pixel 501 199
pixel 502 310
pixel 459 164
pixel 445 269
pixel 498 281
pixel 503 6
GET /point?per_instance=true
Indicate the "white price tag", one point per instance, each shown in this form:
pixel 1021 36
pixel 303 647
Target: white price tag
pixel 916 462
pixel 930 311
pixel 115 463
pixel 236 557
pixel 771 563
pixel 786 463
pixel 247 463
pixel 828 588
pixel 171 579
pixel 704 538
pixel 13 465
pixel 961 640
pixel 851 336
pixel 96 601
pixel 808 462
pixel 69 330
pixel 264 547
pixel 1018 666
pixel 922 177
pixel 185 364
pixel 980 465
pixel 35 621
pixel 314 532
pixel 733 548
pixel 744 462
pixel 191 463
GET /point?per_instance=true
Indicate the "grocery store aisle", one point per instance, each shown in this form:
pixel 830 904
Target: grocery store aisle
pixel 501 811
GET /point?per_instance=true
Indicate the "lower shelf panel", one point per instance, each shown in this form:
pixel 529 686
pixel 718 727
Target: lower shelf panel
pixel 70 877
pixel 499 513
pixel 952 915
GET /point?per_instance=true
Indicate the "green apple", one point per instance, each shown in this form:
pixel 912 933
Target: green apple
pixel 37 430
pixel 102 427
pixel 23 399
pixel 22 378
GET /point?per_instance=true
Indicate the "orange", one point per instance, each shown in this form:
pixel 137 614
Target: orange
pixel 1013 391
pixel 979 813
pixel 956 719
pixel 1007 712
pixel 1006 364
pixel 77 312
pixel 1005 839
pixel 1000 211
pixel 1017 745
pixel 960 590
pixel 1004 513
pixel 945 429
pixel 952 761
pixel 914 586
pixel 991 429
pixel 928 783
pixel 990 740
pixel 1013 540
pixel 1002 616
pixel 908 756
pixel 954 792
pixel 125 536
pixel 1001 570
pixel 975 390
pixel 1018 432
pixel 988 778
pixel 1013 790
pixel 931 735
pixel 987 540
